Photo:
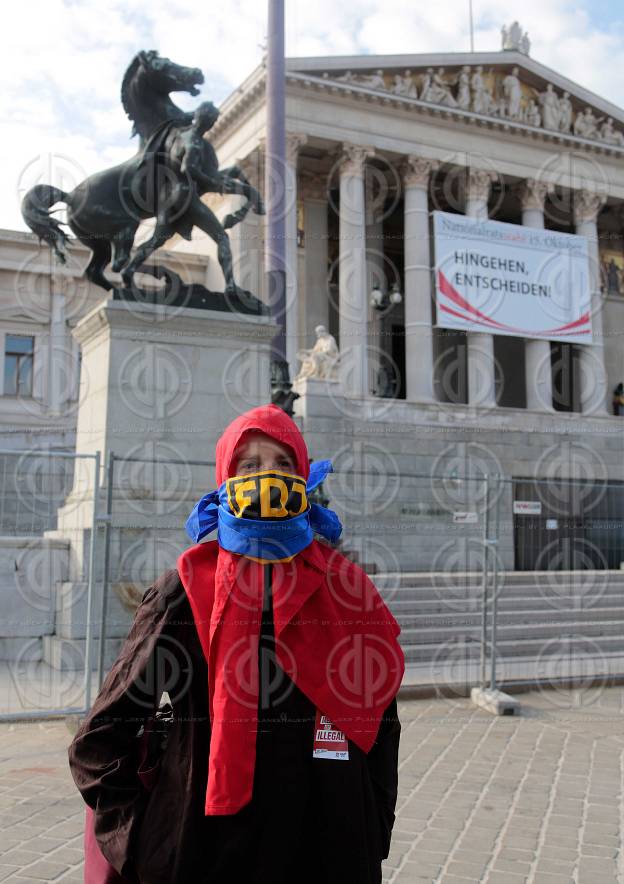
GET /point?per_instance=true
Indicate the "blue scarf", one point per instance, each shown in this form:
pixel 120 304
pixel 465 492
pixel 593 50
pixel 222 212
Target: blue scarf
pixel 266 540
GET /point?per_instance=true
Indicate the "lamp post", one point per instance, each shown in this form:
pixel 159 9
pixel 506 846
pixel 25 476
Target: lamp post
pixel 275 189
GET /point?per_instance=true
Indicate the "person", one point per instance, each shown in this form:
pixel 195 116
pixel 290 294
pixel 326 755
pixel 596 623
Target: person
pixel 281 663
pixel 618 400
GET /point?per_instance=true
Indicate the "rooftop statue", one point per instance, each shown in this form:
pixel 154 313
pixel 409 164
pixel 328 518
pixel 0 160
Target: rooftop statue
pixel 165 179
pixel 513 37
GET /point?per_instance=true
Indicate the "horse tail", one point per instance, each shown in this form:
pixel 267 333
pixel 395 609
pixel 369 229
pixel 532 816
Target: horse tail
pixel 36 207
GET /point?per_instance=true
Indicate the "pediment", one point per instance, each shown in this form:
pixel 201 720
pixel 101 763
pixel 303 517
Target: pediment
pixel 505 86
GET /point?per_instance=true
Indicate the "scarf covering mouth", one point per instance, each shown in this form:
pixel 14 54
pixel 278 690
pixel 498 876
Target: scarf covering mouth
pixel 265 515
pixel 334 636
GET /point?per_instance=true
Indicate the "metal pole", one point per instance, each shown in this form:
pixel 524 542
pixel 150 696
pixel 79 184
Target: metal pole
pixel 275 190
pixel 275 250
pixel 485 576
pixel 494 542
pixel 471 26
pixel 106 575
pixel 91 583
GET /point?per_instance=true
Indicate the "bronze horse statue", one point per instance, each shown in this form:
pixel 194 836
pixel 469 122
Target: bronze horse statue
pixel 165 179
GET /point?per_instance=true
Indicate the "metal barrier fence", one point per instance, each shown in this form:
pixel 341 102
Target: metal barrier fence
pixel 47 497
pixel 466 534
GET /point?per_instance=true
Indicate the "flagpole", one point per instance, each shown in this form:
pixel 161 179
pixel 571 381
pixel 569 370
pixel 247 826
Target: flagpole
pixel 275 190
pixel 471 26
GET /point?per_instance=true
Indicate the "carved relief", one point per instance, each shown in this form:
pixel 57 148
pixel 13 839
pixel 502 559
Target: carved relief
pixel 405 85
pixel 500 94
pixel 436 89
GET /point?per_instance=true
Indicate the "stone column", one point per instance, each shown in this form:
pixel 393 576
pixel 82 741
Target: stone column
pixel 481 389
pixel 537 367
pixel 294 141
pixel 375 275
pixel 593 375
pixel 353 288
pixel 419 361
pixel 315 290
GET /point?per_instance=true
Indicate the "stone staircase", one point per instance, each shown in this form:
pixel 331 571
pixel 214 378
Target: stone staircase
pixel 551 626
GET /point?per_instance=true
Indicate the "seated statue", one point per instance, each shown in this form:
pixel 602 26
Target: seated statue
pixel 321 362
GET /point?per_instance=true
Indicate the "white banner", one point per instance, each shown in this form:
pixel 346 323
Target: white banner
pixel 508 279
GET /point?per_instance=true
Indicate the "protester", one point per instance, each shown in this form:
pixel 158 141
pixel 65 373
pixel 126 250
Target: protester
pixel 618 400
pixel 282 665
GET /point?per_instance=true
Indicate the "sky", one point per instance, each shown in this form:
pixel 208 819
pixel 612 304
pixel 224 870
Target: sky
pixel 63 61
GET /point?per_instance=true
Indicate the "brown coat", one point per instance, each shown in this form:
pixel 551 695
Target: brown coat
pixel 305 820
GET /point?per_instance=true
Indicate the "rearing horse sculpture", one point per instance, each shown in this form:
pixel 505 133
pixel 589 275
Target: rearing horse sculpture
pixel 163 180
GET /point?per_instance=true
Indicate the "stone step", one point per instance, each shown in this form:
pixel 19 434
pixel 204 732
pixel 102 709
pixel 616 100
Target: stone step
pixel 524 579
pixel 558 648
pixel 518 633
pixel 509 594
pixel 506 607
pixel 69 654
pixel 418 616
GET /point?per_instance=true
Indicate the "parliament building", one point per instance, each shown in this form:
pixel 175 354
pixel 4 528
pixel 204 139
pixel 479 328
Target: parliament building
pixel 432 395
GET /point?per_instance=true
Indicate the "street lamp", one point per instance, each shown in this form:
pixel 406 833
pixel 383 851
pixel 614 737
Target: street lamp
pixel 381 300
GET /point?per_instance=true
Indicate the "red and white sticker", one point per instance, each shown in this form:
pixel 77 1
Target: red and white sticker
pixel 329 742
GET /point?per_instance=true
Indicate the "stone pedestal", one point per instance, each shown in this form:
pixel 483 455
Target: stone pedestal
pixel 158 386
pixel 318 399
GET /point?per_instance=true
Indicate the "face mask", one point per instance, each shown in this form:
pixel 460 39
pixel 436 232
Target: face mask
pixel 264 513
pixel 267 494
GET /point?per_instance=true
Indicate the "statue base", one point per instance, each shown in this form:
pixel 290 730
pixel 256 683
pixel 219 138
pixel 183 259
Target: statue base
pixel 194 296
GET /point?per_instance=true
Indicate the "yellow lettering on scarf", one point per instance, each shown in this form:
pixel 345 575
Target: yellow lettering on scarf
pixel 242 500
pixel 300 487
pixel 266 510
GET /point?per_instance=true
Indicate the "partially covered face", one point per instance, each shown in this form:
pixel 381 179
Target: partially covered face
pixel 257 451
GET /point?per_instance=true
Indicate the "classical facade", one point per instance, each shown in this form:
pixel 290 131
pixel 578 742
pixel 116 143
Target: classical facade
pixel 410 410
pixel 375 145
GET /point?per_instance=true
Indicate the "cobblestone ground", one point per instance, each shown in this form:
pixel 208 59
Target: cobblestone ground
pixel 536 798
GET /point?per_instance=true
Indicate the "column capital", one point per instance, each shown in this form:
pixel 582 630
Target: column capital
pixel 533 193
pixel 587 204
pixel 416 170
pixel 252 165
pixel 294 140
pixel 478 183
pixel 353 159
pixel 313 186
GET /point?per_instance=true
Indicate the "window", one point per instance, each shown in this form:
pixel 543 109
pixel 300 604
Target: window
pixel 18 365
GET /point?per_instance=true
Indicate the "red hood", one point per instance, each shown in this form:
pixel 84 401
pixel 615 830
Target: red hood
pixel 273 421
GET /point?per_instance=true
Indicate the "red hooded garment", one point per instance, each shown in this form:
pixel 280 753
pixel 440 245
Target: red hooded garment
pixel 334 636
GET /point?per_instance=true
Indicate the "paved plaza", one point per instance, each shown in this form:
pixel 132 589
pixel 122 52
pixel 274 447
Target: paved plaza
pixel 536 798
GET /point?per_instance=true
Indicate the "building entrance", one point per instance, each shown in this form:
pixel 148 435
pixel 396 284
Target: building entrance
pixel 565 525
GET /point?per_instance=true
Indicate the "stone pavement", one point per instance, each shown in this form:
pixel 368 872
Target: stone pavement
pixel 536 798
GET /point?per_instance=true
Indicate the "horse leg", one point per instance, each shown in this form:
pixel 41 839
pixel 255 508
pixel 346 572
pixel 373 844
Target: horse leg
pixel 162 232
pixel 122 246
pixel 101 255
